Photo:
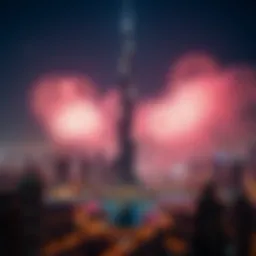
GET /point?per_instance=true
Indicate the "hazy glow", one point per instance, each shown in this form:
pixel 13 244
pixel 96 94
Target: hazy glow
pixel 76 121
pixel 184 112
pixel 200 111
pixel 203 108
pixel 74 114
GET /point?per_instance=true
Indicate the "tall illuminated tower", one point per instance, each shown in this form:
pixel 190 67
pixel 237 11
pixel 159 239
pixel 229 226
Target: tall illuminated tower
pixel 128 91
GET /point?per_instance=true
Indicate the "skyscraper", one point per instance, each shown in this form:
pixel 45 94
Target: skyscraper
pixel 127 89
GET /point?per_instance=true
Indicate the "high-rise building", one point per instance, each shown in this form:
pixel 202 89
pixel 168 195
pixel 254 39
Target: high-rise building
pixel 127 89
pixel 30 192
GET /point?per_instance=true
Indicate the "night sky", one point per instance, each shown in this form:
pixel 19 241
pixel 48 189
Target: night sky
pixel 38 37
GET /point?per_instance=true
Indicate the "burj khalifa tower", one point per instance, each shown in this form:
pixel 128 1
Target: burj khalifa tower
pixel 128 92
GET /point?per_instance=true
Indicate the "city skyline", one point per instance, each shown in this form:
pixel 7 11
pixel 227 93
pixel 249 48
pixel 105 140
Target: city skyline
pixel 76 37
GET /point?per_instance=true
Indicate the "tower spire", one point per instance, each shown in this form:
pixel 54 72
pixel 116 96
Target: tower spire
pixel 127 34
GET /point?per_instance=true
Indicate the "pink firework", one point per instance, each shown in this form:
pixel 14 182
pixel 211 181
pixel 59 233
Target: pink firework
pixel 70 110
pixel 199 111
pixel 184 114
pixel 76 121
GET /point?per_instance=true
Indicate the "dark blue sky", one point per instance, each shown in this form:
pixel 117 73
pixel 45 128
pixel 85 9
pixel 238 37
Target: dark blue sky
pixel 55 35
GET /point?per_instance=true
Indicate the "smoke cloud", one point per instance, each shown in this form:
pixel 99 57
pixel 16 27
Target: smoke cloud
pixel 204 108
